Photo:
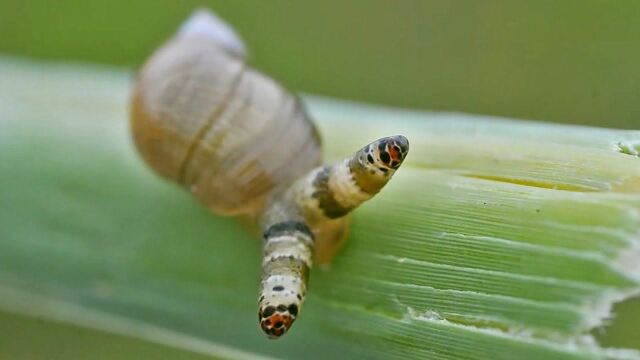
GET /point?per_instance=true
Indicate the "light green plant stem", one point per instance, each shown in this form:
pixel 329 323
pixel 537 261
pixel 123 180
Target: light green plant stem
pixel 496 240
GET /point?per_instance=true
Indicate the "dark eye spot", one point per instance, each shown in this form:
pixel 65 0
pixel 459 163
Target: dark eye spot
pixel 384 156
pixel 293 309
pixel 278 288
pixel 268 311
pixel 282 308
pixel 278 324
pixel 370 159
pixel 299 297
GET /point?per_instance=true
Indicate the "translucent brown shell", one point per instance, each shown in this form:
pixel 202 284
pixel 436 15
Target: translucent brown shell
pixel 227 133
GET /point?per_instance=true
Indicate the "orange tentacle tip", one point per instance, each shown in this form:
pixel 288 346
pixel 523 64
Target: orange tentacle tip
pixel 398 147
pixel 393 150
pixel 276 321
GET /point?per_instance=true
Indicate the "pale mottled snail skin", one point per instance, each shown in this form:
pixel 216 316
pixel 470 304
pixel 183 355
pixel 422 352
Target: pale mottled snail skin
pixel 244 146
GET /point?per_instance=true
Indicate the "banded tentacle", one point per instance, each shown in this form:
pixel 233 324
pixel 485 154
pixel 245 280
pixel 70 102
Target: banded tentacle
pixel 331 192
pixel 296 217
pixel 288 247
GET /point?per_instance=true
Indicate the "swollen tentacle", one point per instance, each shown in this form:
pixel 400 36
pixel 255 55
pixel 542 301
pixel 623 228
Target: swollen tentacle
pixel 295 217
pixel 288 247
pixel 330 192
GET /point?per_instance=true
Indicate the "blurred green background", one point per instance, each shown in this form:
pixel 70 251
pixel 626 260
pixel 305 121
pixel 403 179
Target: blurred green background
pixel 564 61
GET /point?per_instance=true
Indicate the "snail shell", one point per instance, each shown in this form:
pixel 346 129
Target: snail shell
pixel 204 119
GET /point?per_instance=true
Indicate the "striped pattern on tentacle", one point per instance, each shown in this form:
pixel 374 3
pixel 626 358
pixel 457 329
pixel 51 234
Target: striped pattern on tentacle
pixel 296 214
pixel 333 191
pixel 288 247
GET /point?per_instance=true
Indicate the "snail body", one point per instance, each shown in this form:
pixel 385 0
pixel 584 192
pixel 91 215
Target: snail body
pixel 244 146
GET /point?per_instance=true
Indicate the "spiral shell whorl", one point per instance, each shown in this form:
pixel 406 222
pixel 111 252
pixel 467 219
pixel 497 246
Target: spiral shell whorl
pixel 207 23
pixel 224 131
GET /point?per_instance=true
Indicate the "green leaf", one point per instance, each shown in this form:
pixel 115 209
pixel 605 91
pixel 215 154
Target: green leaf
pixel 497 239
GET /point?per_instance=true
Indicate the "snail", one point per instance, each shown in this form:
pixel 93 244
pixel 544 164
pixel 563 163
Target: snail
pixel 244 146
